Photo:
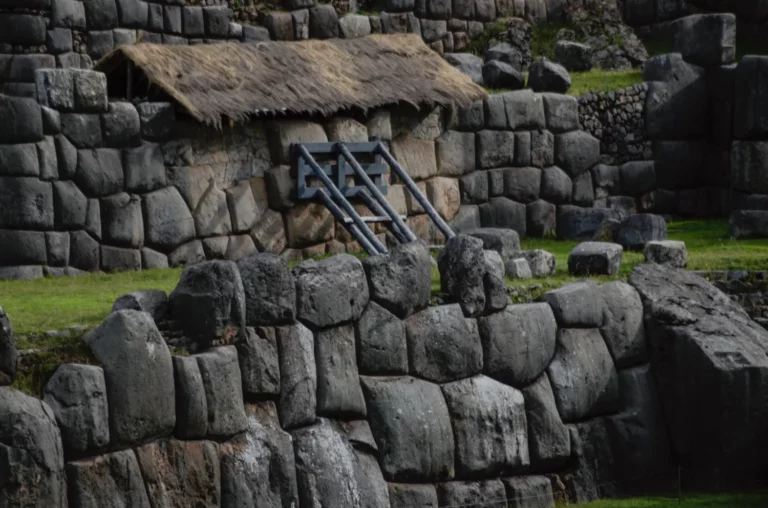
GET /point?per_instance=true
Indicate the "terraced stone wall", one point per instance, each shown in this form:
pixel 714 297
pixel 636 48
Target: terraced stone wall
pixel 340 384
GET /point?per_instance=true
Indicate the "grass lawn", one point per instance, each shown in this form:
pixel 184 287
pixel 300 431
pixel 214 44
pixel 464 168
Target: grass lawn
pixel 54 304
pixel 699 501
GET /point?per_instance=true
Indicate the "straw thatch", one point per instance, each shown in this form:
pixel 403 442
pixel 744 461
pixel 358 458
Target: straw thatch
pixel 306 77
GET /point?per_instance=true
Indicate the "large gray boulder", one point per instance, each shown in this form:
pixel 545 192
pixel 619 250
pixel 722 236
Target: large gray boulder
pixel 576 223
pixel 670 252
pixel 370 481
pixel 547 76
pixel 111 480
pixel 270 291
pixel 623 328
pixel 268 482
pixel 326 467
pixel 338 383
pixel 748 224
pixel 575 57
pixel 485 493
pixel 381 344
pixel 637 230
pixel 708 40
pixel 595 258
pixel 27 203
pixel 549 443
pixel 298 376
pixel 168 221
pixel 178 474
pixel 750 120
pixel 330 292
pixel 576 152
pixel 541 262
pixel 77 394
pixel 259 361
pixel 443 345
pixel 191 402
pixel 209 301
pixel 220 372
pixel 31 456
pixel 506 53
pixel 518 343
pixel 490 428
pixel 462 267
pixel 504 241
pixel 139 376
pixel 502 212
pixel 529 492
pixel 583 375
pixel 494 282
pixel 711 363
pixel 469 64
pixel 500 75
pixel 407 495
pixel 412 428
pixel 577 305
pixel 675 106
pixel 401 281
pixel 8 352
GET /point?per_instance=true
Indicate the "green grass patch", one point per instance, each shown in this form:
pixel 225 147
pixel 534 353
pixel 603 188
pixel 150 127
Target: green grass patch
pixel 694 501
pixel 544 38
pixel 54 304
pixel 598 80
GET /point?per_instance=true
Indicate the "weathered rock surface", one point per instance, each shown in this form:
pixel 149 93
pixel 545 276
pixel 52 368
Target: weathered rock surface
pixel 330 292
pixel 529 492
pixel 412 428
pixel 462 267
pixel 518 268
pixel 546 76
pixel 111 480
pixel 541 262
pixel 270 291
pixel 298 376
pixel 595 258
pixel 623 328
pixel 191 402
pixel 326 467
pixel 259 361
pixel 400 281
pixel 504 241
pixel 139 376
pixel 487 493
pixel 338 383
pixel 706 353
pixel 490 427
pixel 549 442
pixel 518 343
pixel 220 372
pixel 77 394
pixel 578 304
pixel 8 352
pixel 258 467
pixel 31 456
pixel 407 495
pixel 179 474
pixel 669 252
pixel 210 302
pixel 583 375
pixel 576 223
pixel 381 343
pixel 443 345
pixel 637 230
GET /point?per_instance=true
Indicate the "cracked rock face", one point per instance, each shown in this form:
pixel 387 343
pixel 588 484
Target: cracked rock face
pixel 707 354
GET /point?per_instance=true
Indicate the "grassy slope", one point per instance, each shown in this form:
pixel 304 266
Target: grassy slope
pixel 47 304
pixel 701 501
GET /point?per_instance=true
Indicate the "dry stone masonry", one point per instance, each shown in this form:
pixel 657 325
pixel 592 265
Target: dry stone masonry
pixel 371 397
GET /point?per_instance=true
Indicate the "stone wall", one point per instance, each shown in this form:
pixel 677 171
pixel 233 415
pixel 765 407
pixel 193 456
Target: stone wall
pixel 617 119
pixel 337 384
pixel 90 184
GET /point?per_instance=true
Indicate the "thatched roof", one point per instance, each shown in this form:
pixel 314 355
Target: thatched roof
pixel 304 77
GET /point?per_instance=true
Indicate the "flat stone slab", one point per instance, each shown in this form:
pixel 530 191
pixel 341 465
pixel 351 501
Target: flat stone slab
pixel 595 258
